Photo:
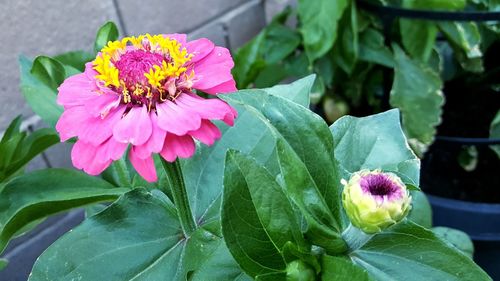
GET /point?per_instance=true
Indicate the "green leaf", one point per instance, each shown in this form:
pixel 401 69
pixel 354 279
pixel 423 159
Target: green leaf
pixel 76 59
pixel 446 5
pixel 34 144
pixel 270 75
pixel 464 35
pixel 416 91
pixel 3 263
pixel 297 91
pixel 340 269
pixel 49 71
pixel 346 49
pixel 455 238
pixel 319 23
pixel 13 129
pixel 40 97
pixel 407 251
pixel 418 36
pixel 495 133
pixel 374 142
pixel 107 32
pixel 323 224
pixel 252 134
pixel 42 193
pixel 248 61
pixel 280 42
pixel 257 217
pixel 136 238
pixel 421 211
pixel 372 48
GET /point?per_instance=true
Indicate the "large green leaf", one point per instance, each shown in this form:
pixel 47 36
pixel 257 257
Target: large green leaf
pixel 374 142
pixel 257 217
pixel 252 134
pixel 323 224
pixel 407 251
pixel 416 91
pixel 42 193
pixel 341 269
pixel 319 25
pixel 40 97
pixel 137 238
pixel 455 238
pixel 297 91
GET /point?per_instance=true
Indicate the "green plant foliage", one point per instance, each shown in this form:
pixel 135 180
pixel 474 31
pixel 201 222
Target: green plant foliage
pixel 456 238
pixel 18 148
pixel 495 132
pixel 396 254
pixel 36 195
pixel 320 20
pixel 416 91
pixel 136 238
pixel 107 32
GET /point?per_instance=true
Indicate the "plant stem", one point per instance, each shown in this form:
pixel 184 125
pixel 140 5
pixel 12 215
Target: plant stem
pixel 179 194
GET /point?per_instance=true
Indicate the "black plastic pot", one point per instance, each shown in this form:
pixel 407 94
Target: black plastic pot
pixel 480 220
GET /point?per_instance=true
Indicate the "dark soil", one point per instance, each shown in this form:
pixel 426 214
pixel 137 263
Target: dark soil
pixel 470 107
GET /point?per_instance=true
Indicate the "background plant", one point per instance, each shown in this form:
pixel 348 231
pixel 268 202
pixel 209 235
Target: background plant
pixel 355 64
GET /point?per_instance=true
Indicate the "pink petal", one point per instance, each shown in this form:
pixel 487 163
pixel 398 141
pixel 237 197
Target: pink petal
pixel 226 87
pixel 83 157
pixel 96 130
pixel 208 133
pixel 200 48
pixel 154 143
pixel 208 108
pixel 135 127
pixel 145 167
pixel 214 69
pixel 176 119
pixel 76 90
pixel 90 71
pixel 101 104
pixel 177 146
pixel 67 124
pixel 110 150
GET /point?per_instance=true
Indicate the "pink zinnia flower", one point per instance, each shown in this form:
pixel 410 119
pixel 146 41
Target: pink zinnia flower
pixel 139 91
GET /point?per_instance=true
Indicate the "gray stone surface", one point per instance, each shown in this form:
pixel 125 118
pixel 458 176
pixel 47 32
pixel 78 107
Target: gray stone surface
pixel 214 31
pixel 244 23
pixel 34 27
pixel 160 16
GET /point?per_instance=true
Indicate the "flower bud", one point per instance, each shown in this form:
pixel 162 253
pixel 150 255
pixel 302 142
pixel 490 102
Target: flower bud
pixel 298 270
pixel 375 200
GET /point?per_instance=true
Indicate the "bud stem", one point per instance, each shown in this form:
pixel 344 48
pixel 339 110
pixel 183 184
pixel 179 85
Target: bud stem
pixel 355 237
pixel 179 194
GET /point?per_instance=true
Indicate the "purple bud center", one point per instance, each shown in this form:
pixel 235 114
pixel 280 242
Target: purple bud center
pixel 381 186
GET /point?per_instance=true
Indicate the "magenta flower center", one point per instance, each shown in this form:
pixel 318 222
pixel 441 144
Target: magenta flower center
pixel 381 185
pixel 133 64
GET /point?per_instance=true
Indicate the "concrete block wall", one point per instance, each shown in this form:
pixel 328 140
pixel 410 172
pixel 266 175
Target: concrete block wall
pixel 34 27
